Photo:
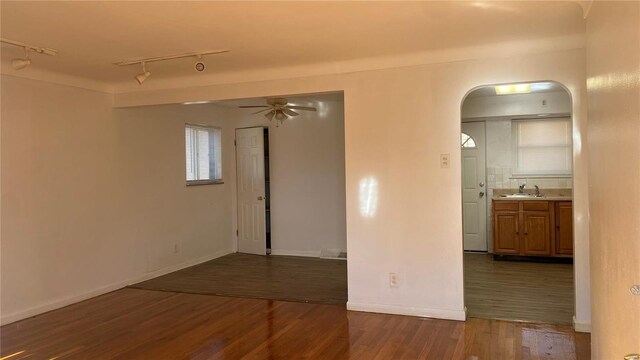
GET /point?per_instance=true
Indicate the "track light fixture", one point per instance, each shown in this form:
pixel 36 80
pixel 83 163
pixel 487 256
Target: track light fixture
pixel 143 75
pixel 199 66
pixel 21 63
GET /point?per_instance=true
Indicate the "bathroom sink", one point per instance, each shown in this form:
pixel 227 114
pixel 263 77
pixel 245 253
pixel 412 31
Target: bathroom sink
pixel 518 195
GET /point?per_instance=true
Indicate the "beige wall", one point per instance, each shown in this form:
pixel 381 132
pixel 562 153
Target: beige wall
pixel 613 70
pixel 94 198
pixel 307 178
pixel 397 123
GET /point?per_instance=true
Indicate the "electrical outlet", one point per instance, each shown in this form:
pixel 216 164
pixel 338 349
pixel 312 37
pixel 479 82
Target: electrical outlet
pixel 444 161
pixel 393 280
pixel 635 289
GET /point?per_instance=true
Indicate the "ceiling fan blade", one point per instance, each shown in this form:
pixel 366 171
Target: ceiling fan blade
pixel 289 112
pixel 307 108
pixel 270 115
pixel 259 111
pixel 253 106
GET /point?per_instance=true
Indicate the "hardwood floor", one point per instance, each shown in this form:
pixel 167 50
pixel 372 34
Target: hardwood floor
pixel 142 324
pixel 290 278
pixel 512 290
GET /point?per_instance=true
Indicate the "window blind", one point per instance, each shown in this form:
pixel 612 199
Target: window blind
pixel 542 147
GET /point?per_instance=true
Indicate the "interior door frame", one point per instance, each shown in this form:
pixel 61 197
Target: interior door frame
pixel 235 217
pixel 485 187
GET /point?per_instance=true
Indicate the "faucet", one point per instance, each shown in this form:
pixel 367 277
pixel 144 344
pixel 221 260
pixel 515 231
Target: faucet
pixel 537 190
pixel 521 188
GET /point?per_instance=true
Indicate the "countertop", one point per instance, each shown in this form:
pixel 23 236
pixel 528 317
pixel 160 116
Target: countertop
pixel 547 195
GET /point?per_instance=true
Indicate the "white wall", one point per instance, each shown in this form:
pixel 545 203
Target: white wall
pixel 397 123
pixel 94 198
pixel 307 178
pixel 613 70
pixel 516 104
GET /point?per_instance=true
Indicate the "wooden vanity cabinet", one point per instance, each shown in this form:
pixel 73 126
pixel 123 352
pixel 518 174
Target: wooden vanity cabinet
pixel 506 238
pixel 564 228
pixel 532 228
pixel 536 239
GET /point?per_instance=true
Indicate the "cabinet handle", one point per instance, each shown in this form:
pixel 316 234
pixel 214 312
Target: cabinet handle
pixel 526 233
pixel 517 233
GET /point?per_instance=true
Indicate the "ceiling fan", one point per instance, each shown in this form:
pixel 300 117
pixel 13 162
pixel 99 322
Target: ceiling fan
pixel 279 109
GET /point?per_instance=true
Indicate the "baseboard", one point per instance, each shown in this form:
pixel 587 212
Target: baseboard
pixel 65 301
pixel 406 310
pixel 583 327
pixel 295 253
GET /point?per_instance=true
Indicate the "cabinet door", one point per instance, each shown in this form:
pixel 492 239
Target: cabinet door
pixel 564 228
pixel 505 233
pixel 537 233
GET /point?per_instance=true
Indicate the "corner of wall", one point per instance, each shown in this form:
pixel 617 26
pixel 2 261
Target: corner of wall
pixel 68 300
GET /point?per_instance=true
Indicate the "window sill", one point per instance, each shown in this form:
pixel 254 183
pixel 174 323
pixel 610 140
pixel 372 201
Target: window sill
pixel 204 182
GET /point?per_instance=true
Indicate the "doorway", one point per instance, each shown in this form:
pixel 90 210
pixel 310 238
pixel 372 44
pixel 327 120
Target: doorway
pixel 474 201
pixel 517 175
pixel 303 191
pixel 253 185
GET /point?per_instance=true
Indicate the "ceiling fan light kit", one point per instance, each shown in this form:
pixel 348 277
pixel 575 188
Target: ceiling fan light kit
pixel 279 109
pixel 21 63
pixel 199 65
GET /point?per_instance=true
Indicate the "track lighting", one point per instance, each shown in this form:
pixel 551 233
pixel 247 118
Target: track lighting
pixel 143 75
pixel 21 63
pixel 199 65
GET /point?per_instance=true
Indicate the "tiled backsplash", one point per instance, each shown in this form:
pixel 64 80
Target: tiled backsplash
pixel 500 178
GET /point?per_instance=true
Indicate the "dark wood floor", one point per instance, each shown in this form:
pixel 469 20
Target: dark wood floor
pixel 290 278
pixel 510 290
pixel 142 324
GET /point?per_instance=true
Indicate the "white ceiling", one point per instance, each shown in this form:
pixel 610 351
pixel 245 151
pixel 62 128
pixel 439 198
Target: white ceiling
pixel 92 35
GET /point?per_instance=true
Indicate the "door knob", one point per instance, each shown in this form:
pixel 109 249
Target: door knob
pixel 481 184
pixel 481 193
pixel 260 198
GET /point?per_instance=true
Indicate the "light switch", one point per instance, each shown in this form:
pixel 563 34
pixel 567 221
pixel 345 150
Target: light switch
pixel 444 160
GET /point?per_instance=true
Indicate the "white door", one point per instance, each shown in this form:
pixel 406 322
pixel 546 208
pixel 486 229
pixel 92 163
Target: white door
pixel 251 191
pixel 474 200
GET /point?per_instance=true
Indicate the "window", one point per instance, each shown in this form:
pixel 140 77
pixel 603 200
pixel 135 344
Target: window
pixel 204 158
pixel 467 142
pixel 542 147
